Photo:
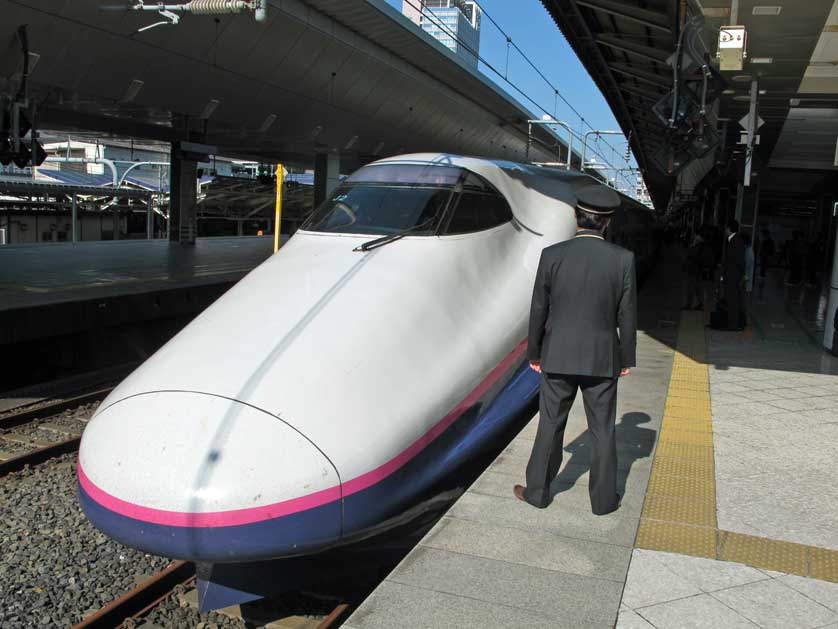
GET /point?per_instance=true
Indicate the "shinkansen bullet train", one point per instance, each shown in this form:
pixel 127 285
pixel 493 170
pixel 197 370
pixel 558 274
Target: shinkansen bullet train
pixel 382 347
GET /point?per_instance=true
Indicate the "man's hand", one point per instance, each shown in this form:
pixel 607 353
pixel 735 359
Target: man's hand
pixel 535 365
pixel 624 372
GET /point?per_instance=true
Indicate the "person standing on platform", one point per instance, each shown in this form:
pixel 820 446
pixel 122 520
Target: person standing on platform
pixel 733 276
pixel 582 335
pixel 749 265
pixel 766 251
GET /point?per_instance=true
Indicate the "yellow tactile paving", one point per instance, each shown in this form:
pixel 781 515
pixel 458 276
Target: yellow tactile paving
pixel 679 514
pixel 696 411
pixel 823 564
pixel 680 467
pixel 690 425
pixel 761 552
pixel 698 454
pixel 687 437
pixel 698 541
pixel 682 486
pixel 700 512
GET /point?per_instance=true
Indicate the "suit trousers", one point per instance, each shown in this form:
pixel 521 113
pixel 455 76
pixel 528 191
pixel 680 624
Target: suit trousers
pixel 733 296
pixel 558 392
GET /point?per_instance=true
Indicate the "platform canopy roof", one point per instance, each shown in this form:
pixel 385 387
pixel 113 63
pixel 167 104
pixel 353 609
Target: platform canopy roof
pixel 319 75
pixel 792 50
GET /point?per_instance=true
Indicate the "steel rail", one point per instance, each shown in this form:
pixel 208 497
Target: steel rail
pixel 136 603
pixel 142 598
pixel 34 457
pixel 16 418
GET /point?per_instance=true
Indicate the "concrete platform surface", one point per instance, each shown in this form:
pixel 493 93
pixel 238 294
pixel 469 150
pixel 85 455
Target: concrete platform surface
pixel 44 274
pixel 726 449
pixel 494 561
pixel 671 590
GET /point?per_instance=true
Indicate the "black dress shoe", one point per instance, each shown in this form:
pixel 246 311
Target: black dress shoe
pixel 518 490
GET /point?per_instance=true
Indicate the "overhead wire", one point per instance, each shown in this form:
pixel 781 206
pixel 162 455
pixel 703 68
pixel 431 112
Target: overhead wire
pixel 444 27
pixel 529 61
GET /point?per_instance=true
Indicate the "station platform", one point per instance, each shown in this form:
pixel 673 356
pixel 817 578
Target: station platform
pixel 49 273
pixel 726 448
pixel 62 288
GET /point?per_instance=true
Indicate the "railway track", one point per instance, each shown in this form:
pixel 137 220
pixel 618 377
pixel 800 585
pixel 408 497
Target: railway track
pixel 32 434
pixel 132 606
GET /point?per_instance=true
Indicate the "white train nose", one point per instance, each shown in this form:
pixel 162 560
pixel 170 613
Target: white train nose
pixel 202 477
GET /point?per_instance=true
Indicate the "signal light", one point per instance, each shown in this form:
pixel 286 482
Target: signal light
pixel 18 138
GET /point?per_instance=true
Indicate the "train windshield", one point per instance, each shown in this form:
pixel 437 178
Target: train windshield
pixel 387 199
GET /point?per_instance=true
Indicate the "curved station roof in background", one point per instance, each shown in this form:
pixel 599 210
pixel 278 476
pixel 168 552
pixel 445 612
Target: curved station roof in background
pixel 317 75
pixel 624 47
pixel 792 52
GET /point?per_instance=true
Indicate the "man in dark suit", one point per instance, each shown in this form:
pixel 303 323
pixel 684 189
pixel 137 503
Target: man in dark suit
pixel 583 330
pixel 733 275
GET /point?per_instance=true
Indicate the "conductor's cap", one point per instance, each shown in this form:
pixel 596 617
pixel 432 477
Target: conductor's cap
pixel 597 199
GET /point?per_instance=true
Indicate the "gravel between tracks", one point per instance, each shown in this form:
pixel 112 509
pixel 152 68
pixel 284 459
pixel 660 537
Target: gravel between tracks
pixel 171 613
pixel 55 568
pixel 69 419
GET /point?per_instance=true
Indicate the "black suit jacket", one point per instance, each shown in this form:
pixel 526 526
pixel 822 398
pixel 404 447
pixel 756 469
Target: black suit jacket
pixel 734 266
pixel 585 291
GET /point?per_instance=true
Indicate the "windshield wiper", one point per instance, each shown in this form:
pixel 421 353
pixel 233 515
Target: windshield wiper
pixel 385 240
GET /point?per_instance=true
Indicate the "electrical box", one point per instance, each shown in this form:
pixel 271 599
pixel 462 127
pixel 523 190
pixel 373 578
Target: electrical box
pixel 732 47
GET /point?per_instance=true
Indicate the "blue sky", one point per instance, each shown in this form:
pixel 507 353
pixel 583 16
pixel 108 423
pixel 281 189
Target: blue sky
pixel 532 29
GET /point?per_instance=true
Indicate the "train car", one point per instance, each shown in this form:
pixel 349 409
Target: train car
pixel 382 347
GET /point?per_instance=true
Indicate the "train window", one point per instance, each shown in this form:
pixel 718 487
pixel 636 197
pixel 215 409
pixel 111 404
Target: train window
pixel 478 207
pixel 387 199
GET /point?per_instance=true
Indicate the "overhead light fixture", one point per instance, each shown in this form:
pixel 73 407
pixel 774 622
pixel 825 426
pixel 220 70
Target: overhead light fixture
pixel 742 78
pixel 352 141
pixel 762 59
pixel 210 108
pixel 267 123
pixel 378 148
pixel 763 91
pixel 133 89
pixel 728 92
pixel 766 10
pixel 742 97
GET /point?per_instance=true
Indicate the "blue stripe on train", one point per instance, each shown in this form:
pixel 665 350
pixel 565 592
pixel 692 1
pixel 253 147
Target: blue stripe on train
pixel 311 529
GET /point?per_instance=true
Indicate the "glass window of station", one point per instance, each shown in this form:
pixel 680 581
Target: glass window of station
pixel 426 200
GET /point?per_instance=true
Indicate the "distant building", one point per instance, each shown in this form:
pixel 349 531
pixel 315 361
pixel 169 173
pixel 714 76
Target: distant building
pixel 454 23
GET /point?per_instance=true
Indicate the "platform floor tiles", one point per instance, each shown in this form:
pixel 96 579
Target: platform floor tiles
pixel 667 590
pixel 493 561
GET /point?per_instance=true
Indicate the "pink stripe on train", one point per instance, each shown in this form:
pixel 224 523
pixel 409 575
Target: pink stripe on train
pixel 250 515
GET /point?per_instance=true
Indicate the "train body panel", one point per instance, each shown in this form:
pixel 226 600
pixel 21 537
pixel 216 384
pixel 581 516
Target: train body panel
pixel 331 376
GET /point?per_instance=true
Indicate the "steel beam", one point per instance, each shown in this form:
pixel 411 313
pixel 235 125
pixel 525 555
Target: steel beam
pixel 645 52
pixel 631 13
pixel 641 75
pixel 641 93
pixel 64 118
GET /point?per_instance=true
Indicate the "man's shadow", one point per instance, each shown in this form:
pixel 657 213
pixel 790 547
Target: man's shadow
pixel 635 441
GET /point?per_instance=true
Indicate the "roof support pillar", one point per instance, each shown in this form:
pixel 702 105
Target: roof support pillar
pixel 830 333
pixel 326 175
pixel 149 217
pixel 183 208
pixel 74 231
pixel 752 127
